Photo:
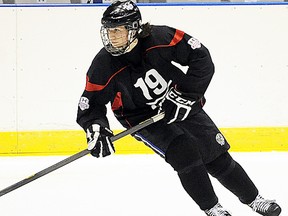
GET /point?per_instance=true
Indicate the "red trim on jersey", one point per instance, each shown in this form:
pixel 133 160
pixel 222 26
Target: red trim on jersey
pixel 117 103
pixel 178 36
pixel 95 87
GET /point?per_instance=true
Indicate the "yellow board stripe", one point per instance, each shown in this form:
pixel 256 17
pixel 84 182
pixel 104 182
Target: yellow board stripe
pixel 67 142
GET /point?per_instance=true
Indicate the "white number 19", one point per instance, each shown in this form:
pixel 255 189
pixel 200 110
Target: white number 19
pixel 154 81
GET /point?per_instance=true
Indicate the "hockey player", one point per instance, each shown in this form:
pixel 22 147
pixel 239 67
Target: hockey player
pixel 137 73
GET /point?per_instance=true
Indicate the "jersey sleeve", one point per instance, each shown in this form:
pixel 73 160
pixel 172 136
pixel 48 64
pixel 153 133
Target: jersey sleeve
pixel 192 53
pixel 96 95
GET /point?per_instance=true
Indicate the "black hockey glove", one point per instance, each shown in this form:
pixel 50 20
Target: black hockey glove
pixel 176 105
pixel 99 142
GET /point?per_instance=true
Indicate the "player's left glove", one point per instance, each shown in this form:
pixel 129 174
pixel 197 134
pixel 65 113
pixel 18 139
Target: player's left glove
pixel 176 105
pixel 99 142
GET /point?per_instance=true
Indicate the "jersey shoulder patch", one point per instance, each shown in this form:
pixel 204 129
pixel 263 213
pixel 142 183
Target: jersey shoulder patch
pixel 194 43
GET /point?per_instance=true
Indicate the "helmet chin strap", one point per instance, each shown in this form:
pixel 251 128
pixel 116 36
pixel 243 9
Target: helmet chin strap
pixel 132 45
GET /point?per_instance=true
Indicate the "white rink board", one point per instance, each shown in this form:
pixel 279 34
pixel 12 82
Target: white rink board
pixel 46 51
pixel 8 79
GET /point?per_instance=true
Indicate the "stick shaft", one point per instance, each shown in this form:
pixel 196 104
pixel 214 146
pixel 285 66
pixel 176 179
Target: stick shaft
pixel 79 155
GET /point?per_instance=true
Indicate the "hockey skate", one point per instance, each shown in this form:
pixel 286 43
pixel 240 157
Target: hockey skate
pixel 217 210
pixel 265 207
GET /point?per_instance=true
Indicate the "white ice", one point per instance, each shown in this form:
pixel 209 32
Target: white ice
pixel 127 185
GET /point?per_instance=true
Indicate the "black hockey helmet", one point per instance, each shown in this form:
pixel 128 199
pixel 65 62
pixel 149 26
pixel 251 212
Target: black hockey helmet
pixel 120 13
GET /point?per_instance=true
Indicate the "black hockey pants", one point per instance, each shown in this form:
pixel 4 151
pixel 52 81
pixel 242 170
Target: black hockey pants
pixel 186 159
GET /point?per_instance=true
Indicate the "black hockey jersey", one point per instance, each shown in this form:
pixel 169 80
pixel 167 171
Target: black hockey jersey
pixel 135 83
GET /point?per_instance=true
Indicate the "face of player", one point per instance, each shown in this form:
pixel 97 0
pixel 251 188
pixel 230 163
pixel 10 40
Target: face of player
pixel 118 36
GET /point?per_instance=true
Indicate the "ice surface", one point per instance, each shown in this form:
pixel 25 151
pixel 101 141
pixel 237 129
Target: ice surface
pixel 127 185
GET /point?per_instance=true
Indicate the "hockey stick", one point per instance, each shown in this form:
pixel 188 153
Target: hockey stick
pixel 79 155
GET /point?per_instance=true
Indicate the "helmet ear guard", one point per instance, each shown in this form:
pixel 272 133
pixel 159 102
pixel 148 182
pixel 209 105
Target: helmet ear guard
pixel 120 13
pixel 136 25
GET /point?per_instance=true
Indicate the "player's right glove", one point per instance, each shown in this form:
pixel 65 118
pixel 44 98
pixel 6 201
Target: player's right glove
pixel 99 142
pixel 176 105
